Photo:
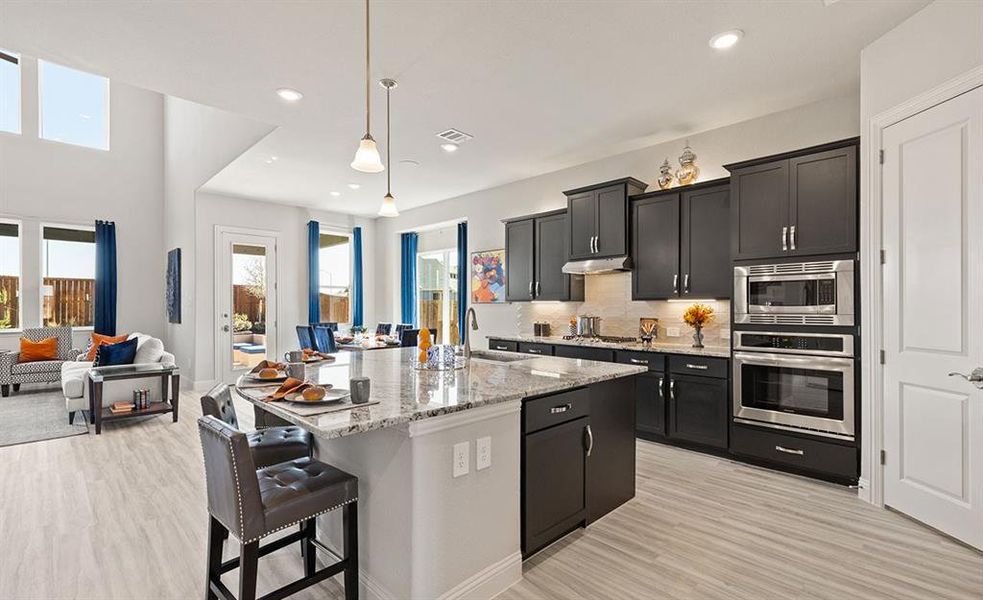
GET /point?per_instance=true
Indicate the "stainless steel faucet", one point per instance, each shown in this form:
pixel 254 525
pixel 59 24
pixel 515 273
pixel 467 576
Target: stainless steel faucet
pixel 470 322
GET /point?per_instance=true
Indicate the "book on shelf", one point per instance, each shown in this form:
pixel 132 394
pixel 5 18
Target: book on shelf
pixel 121 407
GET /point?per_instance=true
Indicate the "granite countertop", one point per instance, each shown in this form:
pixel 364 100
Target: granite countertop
pixel 406 395
pixel 656 346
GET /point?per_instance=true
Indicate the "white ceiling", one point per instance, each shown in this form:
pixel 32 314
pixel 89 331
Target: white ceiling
pixel 541 85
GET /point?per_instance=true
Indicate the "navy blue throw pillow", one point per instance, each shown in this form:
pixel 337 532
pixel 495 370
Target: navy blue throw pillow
pixel 122 353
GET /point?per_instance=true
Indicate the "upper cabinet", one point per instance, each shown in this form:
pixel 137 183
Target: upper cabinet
pixel 798 204
pixel 535 252
pixel 681 242
pixel 598 218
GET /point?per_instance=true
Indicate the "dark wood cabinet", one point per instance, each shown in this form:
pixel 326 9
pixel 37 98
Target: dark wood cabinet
pixel 680 243
pixel 554 478
pixel 601 354
pixel 519 260
pixel 698 410
pixel 650 404
pixel 536 248
pixel 611 446
pixel 797 204
pixel 503 345
pixel 598 218
pixel 535 348
pixel 831 459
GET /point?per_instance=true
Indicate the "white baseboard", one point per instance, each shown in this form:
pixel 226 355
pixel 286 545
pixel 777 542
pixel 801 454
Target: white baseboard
pixel 372 589
pixel 490 581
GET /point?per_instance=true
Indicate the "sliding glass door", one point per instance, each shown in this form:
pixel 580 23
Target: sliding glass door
pixel 437 281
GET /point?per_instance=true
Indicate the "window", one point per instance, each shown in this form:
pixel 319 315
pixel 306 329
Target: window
pixel 74 106
pixel 436 277
pixel 335 279
pixel 9 91
pixel 68 276
pixel 9 275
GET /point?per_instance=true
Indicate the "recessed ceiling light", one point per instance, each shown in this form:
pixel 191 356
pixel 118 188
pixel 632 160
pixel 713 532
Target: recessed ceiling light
pixel 354 186
pixel 288 94
pixel 409 162
pixel 335 194
pixel 725 40
pixel 449 147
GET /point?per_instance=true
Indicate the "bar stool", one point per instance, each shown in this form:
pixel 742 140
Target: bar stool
pixel 270 445
pixel 252 504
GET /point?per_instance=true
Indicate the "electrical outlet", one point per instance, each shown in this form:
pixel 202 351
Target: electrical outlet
pixel 672 331
pixel 482 453
pixel 725 333
pixel 462 458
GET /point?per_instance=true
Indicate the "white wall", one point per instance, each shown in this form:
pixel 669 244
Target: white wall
pixel 936 44
pixel 48 182
pixel 804 126
pixel 199 141
pixel 289 223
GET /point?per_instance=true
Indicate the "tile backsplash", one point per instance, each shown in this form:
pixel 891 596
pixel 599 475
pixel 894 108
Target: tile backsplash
pixel 609 296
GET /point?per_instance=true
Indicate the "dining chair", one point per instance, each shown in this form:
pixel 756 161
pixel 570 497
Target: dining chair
pixel 383 328
pixel 407 337
pixel 305 337
pixel 324 339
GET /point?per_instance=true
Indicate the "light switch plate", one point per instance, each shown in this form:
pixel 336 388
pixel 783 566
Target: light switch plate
pixel 462 458
pixel 482 453
pixel 672 331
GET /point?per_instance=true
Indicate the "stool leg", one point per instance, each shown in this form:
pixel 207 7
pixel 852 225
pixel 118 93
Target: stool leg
pixel 349 519
pixel 309 527
pixel 248 563
pixel 217 535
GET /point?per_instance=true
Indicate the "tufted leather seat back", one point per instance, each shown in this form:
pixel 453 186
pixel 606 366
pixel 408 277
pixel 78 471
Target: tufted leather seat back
pixel 230 477
pixel 218 403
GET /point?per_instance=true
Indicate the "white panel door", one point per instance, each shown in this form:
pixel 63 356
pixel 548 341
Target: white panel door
pixel 933 316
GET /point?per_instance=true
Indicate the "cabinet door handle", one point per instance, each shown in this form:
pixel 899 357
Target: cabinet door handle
pixel 538 289
pixel 675 283
pixel 662 393
pixel 530 290
pixel 794 451
pixel 638 361
pixel 672 389
pixel 597 244
pixel 686 283
pixel 534 351
pixel 784 239
pixel 559 409
pixel 501 347
pixel 592 244
pixel 590 439
pixel 791 236
pixel 699 367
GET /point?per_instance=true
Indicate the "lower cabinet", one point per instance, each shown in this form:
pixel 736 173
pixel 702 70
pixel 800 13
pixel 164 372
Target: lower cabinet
pixel 698 410
pixel 611 446
pixel 650 404
pixel 601 354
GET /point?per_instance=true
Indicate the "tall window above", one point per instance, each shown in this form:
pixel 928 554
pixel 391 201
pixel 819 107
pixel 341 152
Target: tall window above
pixel 335 277
pixel 68 271
pixel 74 106
pixel 9 91
pixel 9 275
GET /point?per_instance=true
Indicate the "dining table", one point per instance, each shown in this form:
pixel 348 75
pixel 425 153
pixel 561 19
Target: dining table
pixel 363 345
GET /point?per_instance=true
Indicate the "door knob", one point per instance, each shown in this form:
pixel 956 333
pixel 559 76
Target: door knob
pixel 975 377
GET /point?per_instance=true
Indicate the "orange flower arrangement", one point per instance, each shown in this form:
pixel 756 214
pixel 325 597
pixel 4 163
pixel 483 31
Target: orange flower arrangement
pixel 698 315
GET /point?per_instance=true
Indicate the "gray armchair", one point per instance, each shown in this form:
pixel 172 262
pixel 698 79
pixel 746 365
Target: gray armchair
pixel 13 373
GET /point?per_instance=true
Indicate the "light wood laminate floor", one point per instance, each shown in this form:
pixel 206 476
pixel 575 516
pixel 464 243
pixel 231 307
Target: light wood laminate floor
pixel 122 515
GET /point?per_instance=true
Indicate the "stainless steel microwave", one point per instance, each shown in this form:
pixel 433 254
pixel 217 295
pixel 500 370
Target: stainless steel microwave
pixel 809 293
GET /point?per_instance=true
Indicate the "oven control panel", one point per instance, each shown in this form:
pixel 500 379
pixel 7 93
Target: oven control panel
pixel 791 342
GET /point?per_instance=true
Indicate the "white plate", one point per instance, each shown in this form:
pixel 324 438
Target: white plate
pixel 331 395
pixel 278 379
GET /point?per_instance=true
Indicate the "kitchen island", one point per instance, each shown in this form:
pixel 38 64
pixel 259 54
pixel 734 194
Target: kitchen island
pixel 440 523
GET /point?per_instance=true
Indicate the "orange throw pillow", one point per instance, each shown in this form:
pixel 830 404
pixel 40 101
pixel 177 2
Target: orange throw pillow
pixel 46 349
pixel 98 340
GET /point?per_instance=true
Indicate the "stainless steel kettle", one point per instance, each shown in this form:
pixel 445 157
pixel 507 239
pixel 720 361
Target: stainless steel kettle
pixel 588 326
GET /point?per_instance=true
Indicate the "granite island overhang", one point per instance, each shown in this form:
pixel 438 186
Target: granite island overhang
pixel 426 533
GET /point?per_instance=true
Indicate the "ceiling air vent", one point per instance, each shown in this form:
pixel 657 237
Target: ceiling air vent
pixel 454 136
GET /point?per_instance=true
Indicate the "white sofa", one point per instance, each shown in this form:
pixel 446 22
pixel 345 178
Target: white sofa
pixel 75 380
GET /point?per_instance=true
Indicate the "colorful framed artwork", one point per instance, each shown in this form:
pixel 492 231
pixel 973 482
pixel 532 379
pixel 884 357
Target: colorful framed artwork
pixel 488 277
pixel 174 286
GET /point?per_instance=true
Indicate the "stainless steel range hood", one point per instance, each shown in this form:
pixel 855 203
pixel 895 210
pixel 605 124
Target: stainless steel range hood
pixel 598 265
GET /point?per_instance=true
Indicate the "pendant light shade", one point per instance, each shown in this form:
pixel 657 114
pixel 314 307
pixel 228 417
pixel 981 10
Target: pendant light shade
pixel 367 159
pixel 388 208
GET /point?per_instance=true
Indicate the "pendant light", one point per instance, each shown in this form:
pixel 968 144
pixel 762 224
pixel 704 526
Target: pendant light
pixel 367 156
pixel 388 208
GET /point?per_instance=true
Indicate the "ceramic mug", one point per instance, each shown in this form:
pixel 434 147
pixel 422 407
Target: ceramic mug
pixel 297 370
pixel 359 387
pixel 294 356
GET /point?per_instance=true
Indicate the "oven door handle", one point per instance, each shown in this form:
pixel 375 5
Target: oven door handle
pixel 791 360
